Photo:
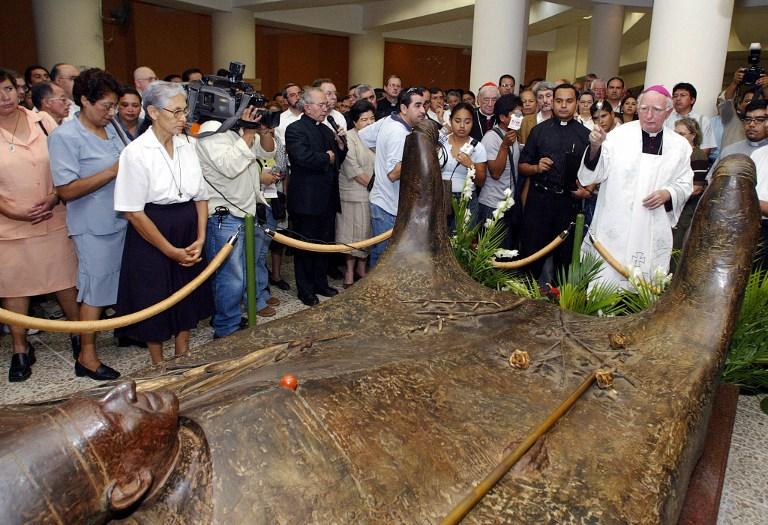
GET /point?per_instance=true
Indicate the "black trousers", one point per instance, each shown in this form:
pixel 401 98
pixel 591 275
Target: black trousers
pixel 762 251
pixel 310 268
pixel 546 215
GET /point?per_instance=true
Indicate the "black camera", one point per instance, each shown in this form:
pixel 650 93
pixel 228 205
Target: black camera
pixel 225 98
pixel 754 70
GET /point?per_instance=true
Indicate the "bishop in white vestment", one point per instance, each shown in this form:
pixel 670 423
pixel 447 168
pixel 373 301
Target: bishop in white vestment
pixel 646 178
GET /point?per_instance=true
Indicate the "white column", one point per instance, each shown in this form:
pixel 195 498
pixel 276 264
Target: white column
pixel 234 40
pixel 607 26
pixel 499 37
pixel 366 59
pixel 69 32
pixel 687 48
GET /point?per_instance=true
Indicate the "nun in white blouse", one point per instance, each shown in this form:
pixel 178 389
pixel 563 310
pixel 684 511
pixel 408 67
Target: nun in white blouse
pixel 161 191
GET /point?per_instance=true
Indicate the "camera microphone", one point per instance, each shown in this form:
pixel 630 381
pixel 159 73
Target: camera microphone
pixel 332 122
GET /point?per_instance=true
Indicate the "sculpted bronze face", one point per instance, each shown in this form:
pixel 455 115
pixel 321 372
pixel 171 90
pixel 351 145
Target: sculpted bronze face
pixel 86 458
pixel 143 430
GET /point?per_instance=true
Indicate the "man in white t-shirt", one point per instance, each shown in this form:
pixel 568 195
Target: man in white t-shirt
pixel 503 151
pixel 683 99
pixel 292 94
pixel 388 137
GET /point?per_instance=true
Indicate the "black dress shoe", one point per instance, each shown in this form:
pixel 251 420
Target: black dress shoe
pixel 21 367
pixel 327 291
pixel 75 341
pixel 309 300
pixel 103 373
pixel 280 284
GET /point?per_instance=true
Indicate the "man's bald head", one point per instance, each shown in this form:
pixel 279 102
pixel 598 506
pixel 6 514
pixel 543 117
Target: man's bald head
pixel 64 75
pixel 142 77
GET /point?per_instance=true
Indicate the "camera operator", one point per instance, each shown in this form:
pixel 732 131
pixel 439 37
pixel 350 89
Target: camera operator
pixel 737 84
pixel 732 106
pixel 231 168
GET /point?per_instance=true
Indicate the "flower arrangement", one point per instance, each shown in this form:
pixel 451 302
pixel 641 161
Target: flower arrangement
pixel 476 246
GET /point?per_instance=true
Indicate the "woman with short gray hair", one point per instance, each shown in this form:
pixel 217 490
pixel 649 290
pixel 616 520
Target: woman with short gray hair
pixel 161 191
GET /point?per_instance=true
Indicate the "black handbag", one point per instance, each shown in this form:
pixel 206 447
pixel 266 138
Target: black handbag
pixel 279 205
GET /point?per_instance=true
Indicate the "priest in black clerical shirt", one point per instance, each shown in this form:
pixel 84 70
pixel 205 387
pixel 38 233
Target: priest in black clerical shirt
pixel 550 162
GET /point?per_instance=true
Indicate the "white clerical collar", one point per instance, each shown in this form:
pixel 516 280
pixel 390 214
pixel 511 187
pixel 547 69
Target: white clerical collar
pixel 652 135
pixel 758 144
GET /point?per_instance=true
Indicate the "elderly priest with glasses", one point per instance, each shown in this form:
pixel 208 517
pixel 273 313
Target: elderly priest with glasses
pixel 646 178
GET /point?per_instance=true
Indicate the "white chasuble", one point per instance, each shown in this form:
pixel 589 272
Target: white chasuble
pixel 638 237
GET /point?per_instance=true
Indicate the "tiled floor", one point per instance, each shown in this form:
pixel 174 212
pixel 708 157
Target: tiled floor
pixel 745 496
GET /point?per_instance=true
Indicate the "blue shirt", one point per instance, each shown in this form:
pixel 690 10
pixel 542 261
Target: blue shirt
pixel 76 153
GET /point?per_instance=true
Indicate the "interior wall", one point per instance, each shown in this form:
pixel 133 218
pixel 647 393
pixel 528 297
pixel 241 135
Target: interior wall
pixel 19 48
pixel 170 40
pixel 535 65
pixel 423 65
pixel 284 56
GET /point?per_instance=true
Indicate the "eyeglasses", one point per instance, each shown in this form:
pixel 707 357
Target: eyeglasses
pixel 66 78
pixel 653 109
pixel 107 106
pixel 178 114
pixel 148 79
pixel 321 104
pixel 754 120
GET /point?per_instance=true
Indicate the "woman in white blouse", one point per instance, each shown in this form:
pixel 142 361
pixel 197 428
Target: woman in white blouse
pixel 161 191
pixel 458 153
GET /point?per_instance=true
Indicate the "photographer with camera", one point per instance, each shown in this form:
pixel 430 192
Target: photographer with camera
pixel 748 83
pixel 230 164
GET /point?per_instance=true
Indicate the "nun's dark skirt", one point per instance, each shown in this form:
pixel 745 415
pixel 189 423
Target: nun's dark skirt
pixel 147 276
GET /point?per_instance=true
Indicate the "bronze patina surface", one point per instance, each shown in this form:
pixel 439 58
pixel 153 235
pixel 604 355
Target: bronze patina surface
pixel 406 397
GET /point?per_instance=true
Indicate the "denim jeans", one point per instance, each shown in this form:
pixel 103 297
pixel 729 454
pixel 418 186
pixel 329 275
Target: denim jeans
pixel 381 221
pixel 229 286
pixel 261 247
pixel 228 282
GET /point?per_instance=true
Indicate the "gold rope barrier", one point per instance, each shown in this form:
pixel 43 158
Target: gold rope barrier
pixel 509 460
pixel 610 259
pixel 326 248
pixel 25 321
pixel 511 265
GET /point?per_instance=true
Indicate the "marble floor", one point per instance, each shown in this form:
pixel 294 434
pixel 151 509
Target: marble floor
pixel 745 495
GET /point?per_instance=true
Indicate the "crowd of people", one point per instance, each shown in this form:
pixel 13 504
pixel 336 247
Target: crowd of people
pixel 112 198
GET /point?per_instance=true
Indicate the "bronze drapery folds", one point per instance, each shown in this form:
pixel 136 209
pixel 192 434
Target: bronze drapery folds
pixel 406 397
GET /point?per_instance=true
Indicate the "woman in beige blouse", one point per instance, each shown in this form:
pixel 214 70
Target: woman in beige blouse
pixel 354 221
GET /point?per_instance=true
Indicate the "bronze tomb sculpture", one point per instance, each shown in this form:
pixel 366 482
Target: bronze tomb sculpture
pixel 406 397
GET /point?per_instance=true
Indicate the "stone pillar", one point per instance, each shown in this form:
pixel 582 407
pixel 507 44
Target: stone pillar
pixel 69 32
pixel 234 40
pixel 366 59
pixel 605 40
pixel 689 42
pixel 499 38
